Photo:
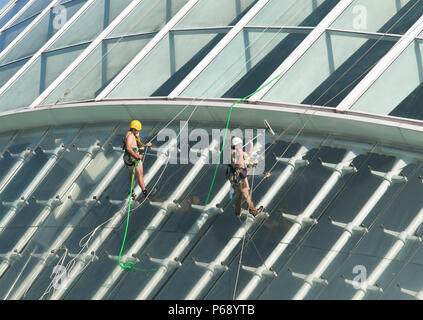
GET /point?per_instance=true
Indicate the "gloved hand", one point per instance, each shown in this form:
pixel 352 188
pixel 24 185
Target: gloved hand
pixel 252 163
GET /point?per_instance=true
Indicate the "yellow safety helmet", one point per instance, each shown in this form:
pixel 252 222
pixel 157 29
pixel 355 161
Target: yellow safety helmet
pixel 135 124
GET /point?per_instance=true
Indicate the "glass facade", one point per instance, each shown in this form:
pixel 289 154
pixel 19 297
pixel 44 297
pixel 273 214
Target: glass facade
pixel 343 211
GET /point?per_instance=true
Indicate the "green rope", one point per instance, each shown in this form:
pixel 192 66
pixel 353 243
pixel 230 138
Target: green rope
pixel 226 132
pixel 129 265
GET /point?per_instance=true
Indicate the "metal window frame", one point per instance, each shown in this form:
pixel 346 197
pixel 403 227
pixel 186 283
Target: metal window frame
pixel 218 48
pixel 147 49
pixel 16 16
pixel 402 238
pixel 43 49
pixel 315 277
pixel 7 7
pixel 75 220
pixel 94 44
pixel 381 66
pixel 24 32
pixel 262 272
pixel 302 48
pixel 115 220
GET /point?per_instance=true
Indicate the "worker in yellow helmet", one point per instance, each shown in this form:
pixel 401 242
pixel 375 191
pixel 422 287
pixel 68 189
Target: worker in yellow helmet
pixel 134 151
pixel 237 176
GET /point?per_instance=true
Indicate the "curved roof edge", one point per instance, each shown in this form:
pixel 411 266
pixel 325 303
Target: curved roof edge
pixel 398 133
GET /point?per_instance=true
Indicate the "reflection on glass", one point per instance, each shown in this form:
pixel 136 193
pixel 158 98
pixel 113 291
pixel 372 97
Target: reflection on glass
pixel 403 79
pixel 230 12
pixel 304 13
pixel 244 64
pixel 329 69
pixel 384 16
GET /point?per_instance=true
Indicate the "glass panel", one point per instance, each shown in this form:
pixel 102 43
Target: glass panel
pixel 41 32
pixel 148 16
pixel 46 68
pixel 95 72
pixel 8 35
pixel 7 71
pixel 244 64
pixel 304 13
pixel 34 9
pixel 107 60
pixel 91 23
pixel 10 14
pixel 407 278
pixel 385 16
pixel 35 162
pixel 167 64
pixel 404 82
pixel 230 12
pixel 330 69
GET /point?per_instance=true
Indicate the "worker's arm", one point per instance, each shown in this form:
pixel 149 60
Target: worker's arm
pixel 250 150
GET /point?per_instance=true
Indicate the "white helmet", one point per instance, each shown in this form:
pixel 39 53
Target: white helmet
pixel 236 141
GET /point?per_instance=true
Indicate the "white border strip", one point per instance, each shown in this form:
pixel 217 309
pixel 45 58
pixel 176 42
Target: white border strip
pixel 147 49
pixel 303 47
pixel 218 48
pixel 28 28
pixel 381 66
pixel 30 62
pixel 16 16
pixel 85 53
pixel 7 7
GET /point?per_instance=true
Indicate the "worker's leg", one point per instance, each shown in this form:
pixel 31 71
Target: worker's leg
pixel 139 171
pixel 247 196
pixel 238 200
pixel 131 172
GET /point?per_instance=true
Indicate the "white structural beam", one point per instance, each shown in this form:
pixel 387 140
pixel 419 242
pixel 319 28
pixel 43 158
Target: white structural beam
pixel 20 157
pixel 24 32
pixel 112 225
pixel 147 49
pixel 7 7
pixel 16 206
pixel 50 253
pixel 166 208
pixel 16 16
pixel 49 205
pixel 381 66
pixel 315 277
pixel 418 295
pixel 218 48
pixel 168 264
pixel 8 145
pixel 97 41
pixel 302 48
pixel 30 62
pixel 299 221
pixel 402 238
pixel 216 265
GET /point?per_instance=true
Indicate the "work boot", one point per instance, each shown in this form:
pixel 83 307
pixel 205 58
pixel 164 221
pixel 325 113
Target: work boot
pixel 133 195
pixel 256 212
pixel 145 193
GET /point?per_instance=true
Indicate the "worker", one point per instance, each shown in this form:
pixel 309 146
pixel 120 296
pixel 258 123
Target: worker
pixel 237 175
pixel 134 151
